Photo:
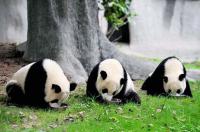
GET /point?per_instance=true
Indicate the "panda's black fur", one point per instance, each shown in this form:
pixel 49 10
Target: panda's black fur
pixel 154 83
pixel 34 87
pixel 91 90
pixel 15 95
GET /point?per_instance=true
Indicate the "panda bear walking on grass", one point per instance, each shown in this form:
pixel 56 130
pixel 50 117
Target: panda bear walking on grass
pixel 39 84
pixel 109 82
pixel 168 79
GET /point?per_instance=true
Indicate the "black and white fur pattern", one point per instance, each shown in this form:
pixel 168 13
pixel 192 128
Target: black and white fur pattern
pixel 40 84
pixel 168 79
pixel 109 82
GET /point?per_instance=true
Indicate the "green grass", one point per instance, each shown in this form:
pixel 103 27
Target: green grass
pixel 83 114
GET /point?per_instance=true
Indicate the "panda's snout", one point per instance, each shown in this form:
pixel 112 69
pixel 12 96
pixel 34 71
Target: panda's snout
pixel 174 88
pixel 107 97
pixel 178 91
pixel 169 91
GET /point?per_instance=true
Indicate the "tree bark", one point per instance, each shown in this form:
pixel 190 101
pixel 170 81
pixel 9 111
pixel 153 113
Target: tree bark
pixel 68 31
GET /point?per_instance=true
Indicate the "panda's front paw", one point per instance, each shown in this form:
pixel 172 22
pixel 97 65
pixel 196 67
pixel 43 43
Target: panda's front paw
pixel 115 100
pixel 64 105
pixel 58 106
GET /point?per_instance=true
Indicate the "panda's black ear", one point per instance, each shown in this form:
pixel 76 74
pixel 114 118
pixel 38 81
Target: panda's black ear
pixel 181 77
pixel 103 75
pixel 72 86
pixel 56 88
pixel 122 81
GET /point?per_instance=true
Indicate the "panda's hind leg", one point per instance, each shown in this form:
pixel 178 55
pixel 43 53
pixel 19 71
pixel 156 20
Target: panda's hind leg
pixel 15 94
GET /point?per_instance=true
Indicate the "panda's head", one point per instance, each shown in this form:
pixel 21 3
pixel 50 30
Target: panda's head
pixel 110 79
pixel 57 86
pixel 174 79
pixel 58 93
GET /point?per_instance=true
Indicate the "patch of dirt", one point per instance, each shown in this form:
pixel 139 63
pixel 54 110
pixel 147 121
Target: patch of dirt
pixel 8 66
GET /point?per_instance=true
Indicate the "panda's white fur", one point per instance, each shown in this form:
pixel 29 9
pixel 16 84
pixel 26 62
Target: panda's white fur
pixel 20 76
pixel 114 73
pixel 54 75
pixel 173 69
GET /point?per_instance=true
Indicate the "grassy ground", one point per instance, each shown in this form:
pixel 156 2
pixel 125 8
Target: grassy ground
pixel 83 114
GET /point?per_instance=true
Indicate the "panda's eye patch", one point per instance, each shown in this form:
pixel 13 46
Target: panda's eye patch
pixel 165 79
pixel 105 90
pixel 103 75
pixel 181 77
pixel 56 88
pixel 54 101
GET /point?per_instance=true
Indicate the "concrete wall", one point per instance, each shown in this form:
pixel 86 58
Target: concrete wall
pixel 13 21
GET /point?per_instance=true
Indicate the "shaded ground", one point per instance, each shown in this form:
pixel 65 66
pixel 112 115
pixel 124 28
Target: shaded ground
pixel 187 51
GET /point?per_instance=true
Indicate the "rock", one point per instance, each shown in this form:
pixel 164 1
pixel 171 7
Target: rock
pixel 193 74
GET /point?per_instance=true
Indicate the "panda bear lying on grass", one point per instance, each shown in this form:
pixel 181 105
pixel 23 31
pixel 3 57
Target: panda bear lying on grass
pixel 168 79
pixel 109 82
pixel 39 84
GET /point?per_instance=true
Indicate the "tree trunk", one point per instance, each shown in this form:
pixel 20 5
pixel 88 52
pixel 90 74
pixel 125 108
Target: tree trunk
pixel 68 32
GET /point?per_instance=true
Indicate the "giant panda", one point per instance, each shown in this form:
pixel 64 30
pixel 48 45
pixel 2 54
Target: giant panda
pixel 39 84
pixel 168 79
pixel 109 82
